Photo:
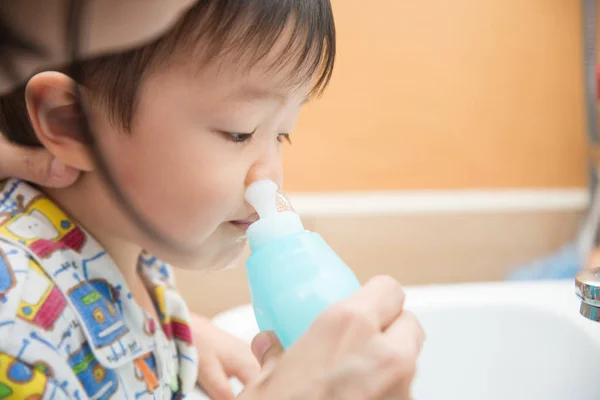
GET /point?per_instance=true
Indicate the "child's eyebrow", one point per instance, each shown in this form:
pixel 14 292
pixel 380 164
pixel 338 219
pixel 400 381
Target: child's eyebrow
pixel 251 93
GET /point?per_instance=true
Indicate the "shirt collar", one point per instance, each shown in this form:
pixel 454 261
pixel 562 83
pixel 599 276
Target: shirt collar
pixel 116 327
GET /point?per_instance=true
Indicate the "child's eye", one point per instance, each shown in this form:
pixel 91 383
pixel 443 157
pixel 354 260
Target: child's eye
pixel 237 137
pixel 284 136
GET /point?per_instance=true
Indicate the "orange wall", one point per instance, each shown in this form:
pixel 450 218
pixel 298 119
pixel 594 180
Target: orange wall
pixel 447 94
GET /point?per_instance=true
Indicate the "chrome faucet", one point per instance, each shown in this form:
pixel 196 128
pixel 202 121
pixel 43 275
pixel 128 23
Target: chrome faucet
pixel 587 288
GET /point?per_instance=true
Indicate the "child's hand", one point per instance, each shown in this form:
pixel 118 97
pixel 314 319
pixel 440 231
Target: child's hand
pixel 221 356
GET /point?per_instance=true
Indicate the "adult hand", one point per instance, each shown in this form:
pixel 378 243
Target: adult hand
pixel 33 164
pixel 109 26
pixel 363 348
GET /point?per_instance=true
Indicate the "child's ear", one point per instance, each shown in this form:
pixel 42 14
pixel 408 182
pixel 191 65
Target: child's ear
pixel 51 104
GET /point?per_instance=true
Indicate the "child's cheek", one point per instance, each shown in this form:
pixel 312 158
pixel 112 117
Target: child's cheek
pixel 178 184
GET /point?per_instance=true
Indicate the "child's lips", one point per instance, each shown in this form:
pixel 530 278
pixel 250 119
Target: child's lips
pixel 244 224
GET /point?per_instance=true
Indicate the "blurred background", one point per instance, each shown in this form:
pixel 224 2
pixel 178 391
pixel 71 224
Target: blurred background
pixel 450 146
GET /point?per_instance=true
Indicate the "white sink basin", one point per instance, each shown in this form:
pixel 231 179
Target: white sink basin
pixel 501 341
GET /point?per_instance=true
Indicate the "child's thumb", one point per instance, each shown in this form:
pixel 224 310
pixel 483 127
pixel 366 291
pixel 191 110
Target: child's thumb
pixel 266 347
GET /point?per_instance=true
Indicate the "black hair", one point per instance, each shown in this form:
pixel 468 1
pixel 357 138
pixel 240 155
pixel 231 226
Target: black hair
pixel 250 27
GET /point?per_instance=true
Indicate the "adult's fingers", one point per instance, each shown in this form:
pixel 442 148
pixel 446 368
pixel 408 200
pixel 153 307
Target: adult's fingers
pixel 404 342
pixel 266 347
pixel 35 165
pixel 406 329
pixel 380 301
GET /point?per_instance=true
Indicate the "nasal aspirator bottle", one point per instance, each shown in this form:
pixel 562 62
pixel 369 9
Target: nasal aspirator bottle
pixel 293 274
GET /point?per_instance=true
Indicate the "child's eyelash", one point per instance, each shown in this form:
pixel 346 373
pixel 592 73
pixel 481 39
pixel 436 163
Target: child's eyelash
pixel 237 137
pixel 284 136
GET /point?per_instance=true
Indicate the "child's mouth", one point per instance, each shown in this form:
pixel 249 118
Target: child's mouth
pixel 244 224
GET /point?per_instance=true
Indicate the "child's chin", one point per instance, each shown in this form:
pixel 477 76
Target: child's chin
pixel 233 258
pixel 226 257
pixel 232 263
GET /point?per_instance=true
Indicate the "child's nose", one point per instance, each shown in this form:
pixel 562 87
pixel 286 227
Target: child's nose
pixel 266 169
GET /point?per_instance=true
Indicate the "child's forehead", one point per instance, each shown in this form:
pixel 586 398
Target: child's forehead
pixel 225 83
pixel 276 75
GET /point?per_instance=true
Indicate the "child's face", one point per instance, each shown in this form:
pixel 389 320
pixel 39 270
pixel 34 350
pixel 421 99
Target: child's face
pixel 189 156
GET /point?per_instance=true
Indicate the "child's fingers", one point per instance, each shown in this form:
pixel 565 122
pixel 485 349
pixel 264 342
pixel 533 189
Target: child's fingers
pixel 213 379
pixel 243 366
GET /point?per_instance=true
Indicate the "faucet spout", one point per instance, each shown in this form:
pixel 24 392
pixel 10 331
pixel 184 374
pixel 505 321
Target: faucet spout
pixel 587 288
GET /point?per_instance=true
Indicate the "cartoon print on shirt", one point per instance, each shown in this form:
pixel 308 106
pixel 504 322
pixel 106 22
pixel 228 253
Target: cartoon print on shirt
pixel 7 277
pixel 19 380
pixel 44 368
pixel 41 226
pixel 105 325
pixel 43 303
pixel 80 314
pixel 99 383
pixel 146 371
pixel 174 328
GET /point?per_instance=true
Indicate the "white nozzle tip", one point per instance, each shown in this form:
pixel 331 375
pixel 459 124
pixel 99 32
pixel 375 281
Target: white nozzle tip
pixel 262 196
pixel 277 217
